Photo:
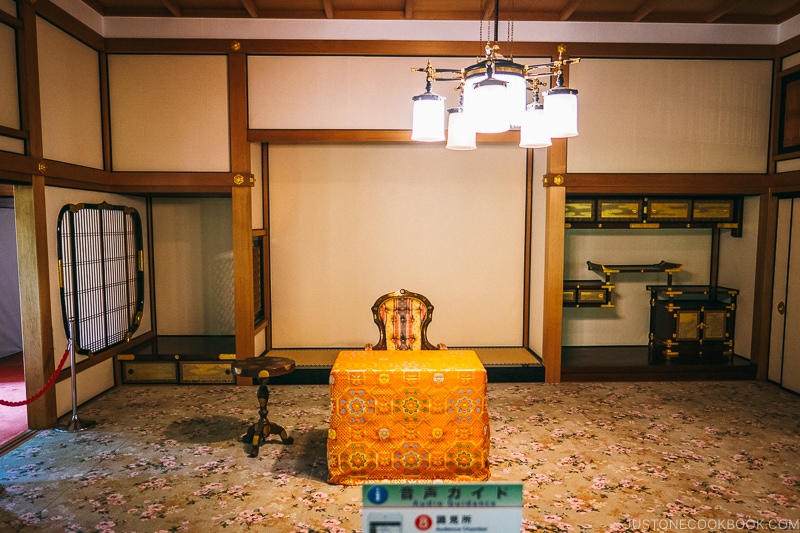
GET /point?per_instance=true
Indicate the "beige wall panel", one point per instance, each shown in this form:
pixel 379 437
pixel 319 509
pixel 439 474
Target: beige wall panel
pixel 260 343
pixel 9 6
pixel 193 256
pixel 56 198
pixel 69 83
pixel 333 92
pixel 8 144
pixel 88 384
pixel 169 113
pixel 9 90
pixel 536 323
pixel 349 223
pixel 628 323
pixel 737 269
pixel 671 116
pixel 257 195
pixel 790 61
pixel 339 92
pixel 787 165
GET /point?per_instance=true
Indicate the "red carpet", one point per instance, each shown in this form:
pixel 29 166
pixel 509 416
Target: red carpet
pixel 13 420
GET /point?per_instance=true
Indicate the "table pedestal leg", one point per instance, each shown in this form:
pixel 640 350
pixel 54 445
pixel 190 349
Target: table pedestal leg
pixel 264 428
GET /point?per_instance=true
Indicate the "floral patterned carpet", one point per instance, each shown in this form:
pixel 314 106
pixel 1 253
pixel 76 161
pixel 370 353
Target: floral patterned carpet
pixel 702 456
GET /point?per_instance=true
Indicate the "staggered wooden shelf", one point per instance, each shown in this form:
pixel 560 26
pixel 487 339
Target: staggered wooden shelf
pixel 645 212
pixel 596 293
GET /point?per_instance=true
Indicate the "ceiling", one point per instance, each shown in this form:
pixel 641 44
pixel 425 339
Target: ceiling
pixel 675 11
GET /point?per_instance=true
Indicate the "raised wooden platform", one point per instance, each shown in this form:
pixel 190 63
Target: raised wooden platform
pixel 633 363
pixel 208 359
pixel 313 366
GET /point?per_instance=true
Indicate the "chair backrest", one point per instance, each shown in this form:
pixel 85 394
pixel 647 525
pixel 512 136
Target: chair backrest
pixel 402 318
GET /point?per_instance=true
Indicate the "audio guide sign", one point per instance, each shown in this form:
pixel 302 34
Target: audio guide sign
pixel 442 507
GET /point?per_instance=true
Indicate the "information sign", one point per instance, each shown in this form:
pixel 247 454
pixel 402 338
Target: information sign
pixel 442 507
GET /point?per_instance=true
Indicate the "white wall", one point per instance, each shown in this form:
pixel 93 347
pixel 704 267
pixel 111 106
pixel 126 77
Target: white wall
pixel 349 223
pixel 638 115
pixel 69 85
pixel 193 256
pixel 10 319
pixel 628 322
pixel 9 91
pixel 345 92
pixel 169 112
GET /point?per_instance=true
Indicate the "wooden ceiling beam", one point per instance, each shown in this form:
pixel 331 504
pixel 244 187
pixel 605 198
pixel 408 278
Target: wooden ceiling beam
pixel 568 10
pixel 174 8
pixel 722 9
pixel 488 11
pixel 251 8
pixel 328 8
pixel 645 9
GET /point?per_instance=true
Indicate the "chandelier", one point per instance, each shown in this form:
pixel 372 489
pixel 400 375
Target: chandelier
pixel 494 99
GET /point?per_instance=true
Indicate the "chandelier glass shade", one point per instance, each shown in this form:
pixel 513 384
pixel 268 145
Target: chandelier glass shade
pixel 460 132
pixel 534 132
pixel 428 117
pixel 495 100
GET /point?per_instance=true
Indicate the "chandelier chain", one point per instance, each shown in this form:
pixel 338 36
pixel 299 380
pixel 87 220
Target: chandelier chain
pixel 511 31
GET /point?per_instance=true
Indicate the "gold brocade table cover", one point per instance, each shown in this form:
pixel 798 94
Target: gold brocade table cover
pixel 408 416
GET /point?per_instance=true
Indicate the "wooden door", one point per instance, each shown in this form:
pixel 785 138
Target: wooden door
pixel 784 353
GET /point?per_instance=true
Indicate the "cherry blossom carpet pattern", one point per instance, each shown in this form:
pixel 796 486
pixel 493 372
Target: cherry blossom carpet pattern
pixel 614 457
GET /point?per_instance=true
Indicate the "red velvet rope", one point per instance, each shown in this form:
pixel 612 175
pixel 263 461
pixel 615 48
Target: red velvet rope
pixel 44 389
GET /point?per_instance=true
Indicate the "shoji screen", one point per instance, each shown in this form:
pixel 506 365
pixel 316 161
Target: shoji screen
pixel 349 223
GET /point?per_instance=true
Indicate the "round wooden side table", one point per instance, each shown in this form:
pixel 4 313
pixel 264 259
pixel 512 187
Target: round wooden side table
pixel 262 368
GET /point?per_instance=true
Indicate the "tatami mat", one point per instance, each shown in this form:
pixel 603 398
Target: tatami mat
pixel 488 356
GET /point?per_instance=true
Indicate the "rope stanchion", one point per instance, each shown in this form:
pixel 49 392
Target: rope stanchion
pixel 75 423
pixel 46 386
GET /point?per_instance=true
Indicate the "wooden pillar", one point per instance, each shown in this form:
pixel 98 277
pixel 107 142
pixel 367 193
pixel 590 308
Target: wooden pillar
pixel 526 285
pixel 765 274
pixel 243 272
pixel 34 288
pixel 241 205
pixel 554 260
pixel 32 239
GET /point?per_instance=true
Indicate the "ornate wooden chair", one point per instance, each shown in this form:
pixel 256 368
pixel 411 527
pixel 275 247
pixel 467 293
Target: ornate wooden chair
pixel 402 318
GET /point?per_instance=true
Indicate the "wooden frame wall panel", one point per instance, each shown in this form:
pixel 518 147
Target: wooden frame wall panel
pixel 243 273
pixel 267 264
pixel 160 183
pixel 358 136
pixel 105 111
pixel 526 256
pixel 28 50
pixel 242 207
pixel 554 261
pixel 784 183
pixel 787 140
pixel 467 49
pixel 71 101
pixel 66 22
pixel 667 183
pixel 787 47
pixel 151 266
